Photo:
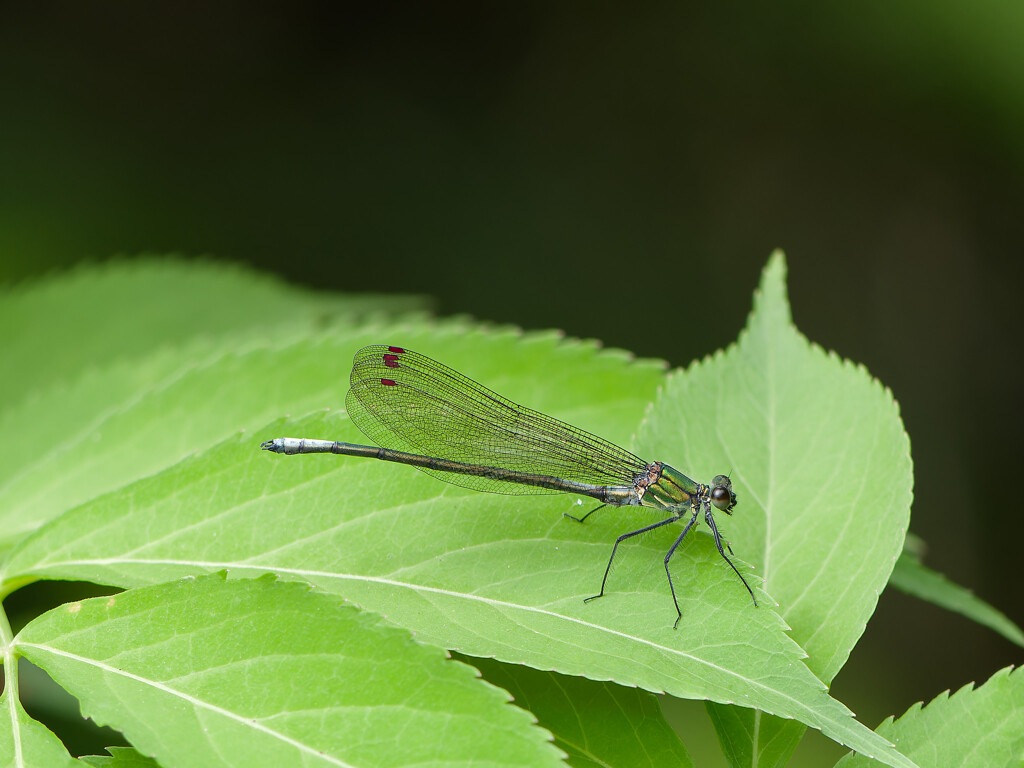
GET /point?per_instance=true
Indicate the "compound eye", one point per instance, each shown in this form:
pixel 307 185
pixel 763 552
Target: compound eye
pixel 722 498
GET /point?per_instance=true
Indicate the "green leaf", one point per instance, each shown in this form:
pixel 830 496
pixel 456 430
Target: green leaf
pixel 24 742
pixel 485 574
pixel 95 351
pixel 982 727
pixel 131 419
pixel 120 757
pixel 913 577
pixel 598 725
pixel 821 466
pixel 252 673
pixel 60 326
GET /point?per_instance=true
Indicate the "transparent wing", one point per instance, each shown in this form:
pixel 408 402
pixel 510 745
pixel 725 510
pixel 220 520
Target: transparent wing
pixel 407 402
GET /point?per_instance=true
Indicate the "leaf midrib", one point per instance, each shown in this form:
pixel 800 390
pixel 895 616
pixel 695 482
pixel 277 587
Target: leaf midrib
pixel 196 702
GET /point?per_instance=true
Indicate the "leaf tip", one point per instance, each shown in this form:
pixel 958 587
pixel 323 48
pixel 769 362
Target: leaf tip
pixel 771 300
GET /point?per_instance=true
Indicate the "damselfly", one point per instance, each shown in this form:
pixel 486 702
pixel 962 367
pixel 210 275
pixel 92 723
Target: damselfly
pixel 431 417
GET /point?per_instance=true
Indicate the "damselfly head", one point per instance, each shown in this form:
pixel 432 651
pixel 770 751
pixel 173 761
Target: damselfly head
pixel 722 495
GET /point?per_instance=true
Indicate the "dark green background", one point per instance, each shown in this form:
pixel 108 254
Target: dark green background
pixel 618 172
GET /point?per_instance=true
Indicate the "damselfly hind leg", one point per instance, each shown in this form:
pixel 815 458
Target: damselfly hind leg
pixel 615 548
pixel 581 519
